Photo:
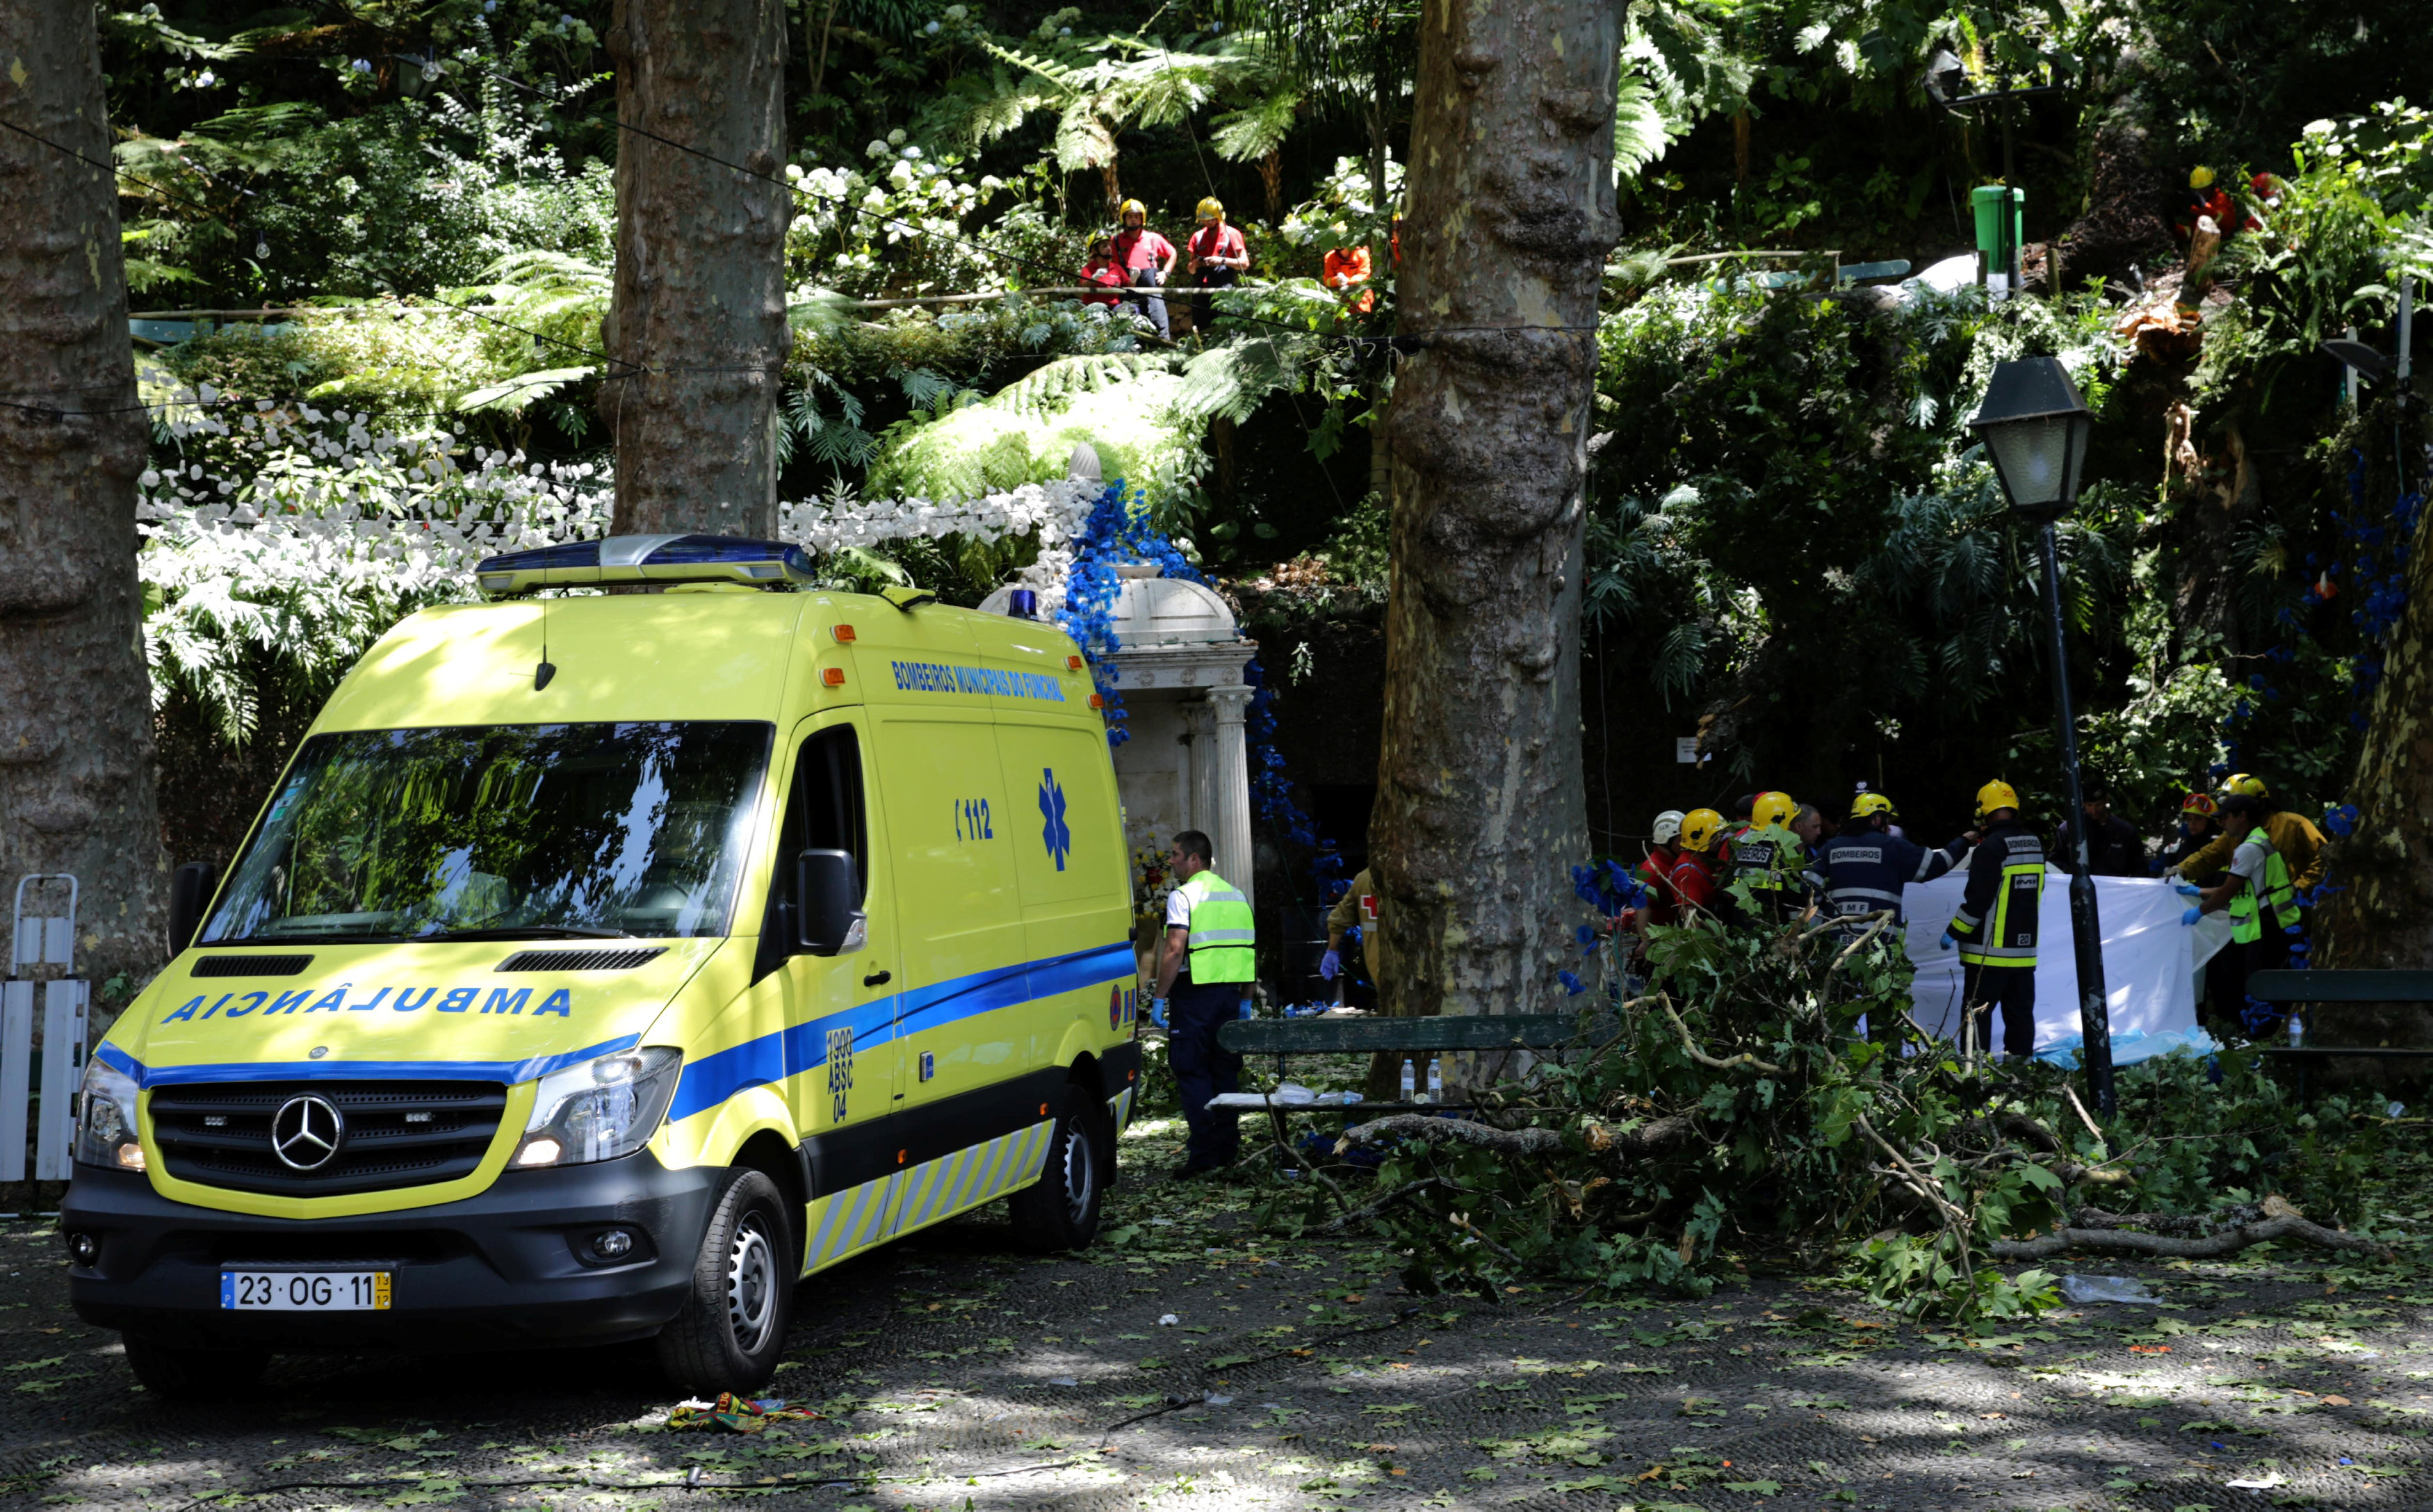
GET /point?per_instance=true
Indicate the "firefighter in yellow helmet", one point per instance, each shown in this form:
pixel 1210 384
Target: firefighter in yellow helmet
pixel 1147 258
pixel 1695 875
pixel 2294 836
pixel 1862 870
pixel 1996 927
pixel 1769 859
pixel 1219 258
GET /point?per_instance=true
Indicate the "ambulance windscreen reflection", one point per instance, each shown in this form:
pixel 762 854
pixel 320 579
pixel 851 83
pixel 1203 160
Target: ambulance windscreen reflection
pixel 536 831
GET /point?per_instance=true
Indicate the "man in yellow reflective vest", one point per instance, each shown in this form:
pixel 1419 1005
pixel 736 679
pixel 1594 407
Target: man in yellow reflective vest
pixel 1996 927
pixel 2262 901
pixel 1204 973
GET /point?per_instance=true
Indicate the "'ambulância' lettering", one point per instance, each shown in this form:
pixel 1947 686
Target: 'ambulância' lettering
pixel 407 1000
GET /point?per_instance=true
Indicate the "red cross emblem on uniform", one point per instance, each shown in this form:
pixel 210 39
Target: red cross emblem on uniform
pixel 1369 908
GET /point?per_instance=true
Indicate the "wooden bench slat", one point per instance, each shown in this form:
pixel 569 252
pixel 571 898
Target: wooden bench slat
pixel 2368 1052
pixel 1451 1031
pixel 2341 986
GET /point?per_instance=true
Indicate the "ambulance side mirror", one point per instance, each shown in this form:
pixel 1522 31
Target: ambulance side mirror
pixel 828 891
pixel 190 889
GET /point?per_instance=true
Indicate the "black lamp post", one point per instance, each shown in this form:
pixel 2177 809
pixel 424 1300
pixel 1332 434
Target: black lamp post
pixel 2035 426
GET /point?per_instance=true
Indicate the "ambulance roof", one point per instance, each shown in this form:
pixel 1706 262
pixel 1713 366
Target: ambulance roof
pixel 700 654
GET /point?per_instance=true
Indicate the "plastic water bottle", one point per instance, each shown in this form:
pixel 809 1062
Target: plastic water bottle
pixel 1410 1080
pixel 1436 1081
pixel 2297 1030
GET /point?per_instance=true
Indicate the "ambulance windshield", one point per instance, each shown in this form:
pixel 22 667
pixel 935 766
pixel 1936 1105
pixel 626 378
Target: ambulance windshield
pixel 501 832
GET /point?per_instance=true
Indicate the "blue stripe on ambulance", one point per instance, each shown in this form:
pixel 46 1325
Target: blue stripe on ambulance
pixel 790 1052
pixel 510 1072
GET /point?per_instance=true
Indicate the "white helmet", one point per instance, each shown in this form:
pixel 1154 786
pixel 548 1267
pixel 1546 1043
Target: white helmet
pixel 1668 827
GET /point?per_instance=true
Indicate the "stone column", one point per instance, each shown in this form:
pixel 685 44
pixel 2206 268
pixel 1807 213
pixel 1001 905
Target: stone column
pixel 1199 794
pixel 1231 808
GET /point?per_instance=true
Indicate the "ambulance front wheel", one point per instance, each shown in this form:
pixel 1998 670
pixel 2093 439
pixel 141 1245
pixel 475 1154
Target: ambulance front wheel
pixel 176 1374
pixel 1060 1211
pixel 733 1325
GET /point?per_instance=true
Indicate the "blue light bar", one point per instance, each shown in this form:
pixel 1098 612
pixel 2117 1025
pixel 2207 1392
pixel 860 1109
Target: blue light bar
pixel 644 559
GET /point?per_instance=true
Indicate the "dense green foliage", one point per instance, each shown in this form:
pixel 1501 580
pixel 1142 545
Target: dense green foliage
pixel 1738 1111
pixel 1788 532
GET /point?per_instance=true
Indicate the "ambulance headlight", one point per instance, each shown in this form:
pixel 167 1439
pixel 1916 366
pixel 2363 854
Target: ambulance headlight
pixel 106 1119
pixel 600 1109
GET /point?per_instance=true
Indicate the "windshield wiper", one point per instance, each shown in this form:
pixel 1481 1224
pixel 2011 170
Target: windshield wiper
pixel 530 931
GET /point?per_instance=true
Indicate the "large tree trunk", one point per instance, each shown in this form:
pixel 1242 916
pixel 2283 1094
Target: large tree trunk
pixel 75 703
pixel 698 323
pixel 2381 916
pixel 1481 811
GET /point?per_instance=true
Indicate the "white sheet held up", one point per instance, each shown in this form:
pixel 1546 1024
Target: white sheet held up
pixel 2149 957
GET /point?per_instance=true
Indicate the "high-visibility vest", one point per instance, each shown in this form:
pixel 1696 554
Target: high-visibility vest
pixel 2007 937
pixel 1769 861
pixel 2246 920
pixel 1220 938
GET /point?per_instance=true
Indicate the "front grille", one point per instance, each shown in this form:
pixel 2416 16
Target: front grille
pixel 617 960
pixel 251 965
pixel 397 1133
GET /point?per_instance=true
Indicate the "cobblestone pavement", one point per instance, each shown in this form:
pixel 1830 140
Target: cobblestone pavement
pixel 957 1376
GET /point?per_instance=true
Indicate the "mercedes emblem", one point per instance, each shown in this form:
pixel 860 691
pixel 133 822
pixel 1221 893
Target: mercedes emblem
pixel 306 1131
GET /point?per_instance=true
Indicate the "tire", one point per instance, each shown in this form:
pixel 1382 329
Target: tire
pixel 178 1374
pixel 1060 1211
pixel 732 1327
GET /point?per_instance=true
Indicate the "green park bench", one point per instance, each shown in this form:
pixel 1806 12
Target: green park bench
pixel 2298 988
pixel 1321 1035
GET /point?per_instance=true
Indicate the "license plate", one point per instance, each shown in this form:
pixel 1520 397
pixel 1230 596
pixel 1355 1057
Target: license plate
pixel 305 1291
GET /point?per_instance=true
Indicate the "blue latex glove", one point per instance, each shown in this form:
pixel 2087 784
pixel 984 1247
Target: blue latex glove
pixel 2188 890
pixel 1330 965
pixel 2190 918
pixel 1157 1012
pixel 1947 941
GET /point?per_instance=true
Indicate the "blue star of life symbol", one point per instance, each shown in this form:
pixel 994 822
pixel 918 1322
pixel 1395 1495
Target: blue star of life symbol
pixel 1056 834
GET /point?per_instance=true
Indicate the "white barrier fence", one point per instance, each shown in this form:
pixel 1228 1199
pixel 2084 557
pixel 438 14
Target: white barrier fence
pixel 37 1081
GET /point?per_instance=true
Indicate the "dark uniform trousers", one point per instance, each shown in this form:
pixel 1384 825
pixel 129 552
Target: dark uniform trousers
pixel 2013 989
pixel 1203 1068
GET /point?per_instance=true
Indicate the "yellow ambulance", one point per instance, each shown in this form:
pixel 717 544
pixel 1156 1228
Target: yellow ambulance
pixel 601 964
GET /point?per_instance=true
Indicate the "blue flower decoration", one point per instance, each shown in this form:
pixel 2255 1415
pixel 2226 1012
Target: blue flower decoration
pixel 1056 833
pixel 1573 986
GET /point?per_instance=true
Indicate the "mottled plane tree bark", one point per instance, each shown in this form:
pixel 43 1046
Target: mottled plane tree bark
pixel 1480 808
pixel 697 322
pixel 2380 913
pixel 75 702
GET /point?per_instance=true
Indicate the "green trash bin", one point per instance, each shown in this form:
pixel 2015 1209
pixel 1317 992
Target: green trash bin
pixel 1998 237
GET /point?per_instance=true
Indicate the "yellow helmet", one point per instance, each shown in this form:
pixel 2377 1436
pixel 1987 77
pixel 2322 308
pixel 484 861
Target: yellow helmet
pixel 2200 178
pixel 1994 795
pixel 1873 803
pixel 1699 827
pixel 2242 782
pixel 1132 207
pixel 1773 809
pixel 1212 208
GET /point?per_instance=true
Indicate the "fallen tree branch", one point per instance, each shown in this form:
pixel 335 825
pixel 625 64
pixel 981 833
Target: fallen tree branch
pixel 1342 1221
pixel 1691 1045
pixel 1883 917
pixel 2179 1223
pixel 2275 1219
pixel 1451 1131
pixel 2084 1117
pixel 1461 1221
pixel 1954 1221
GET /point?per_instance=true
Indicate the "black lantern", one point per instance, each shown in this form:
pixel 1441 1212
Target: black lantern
pixel 2034 427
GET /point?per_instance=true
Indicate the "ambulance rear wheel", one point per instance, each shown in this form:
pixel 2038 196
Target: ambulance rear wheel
pixel 1060 1211
pixel 733 1325
pixel 191 1375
